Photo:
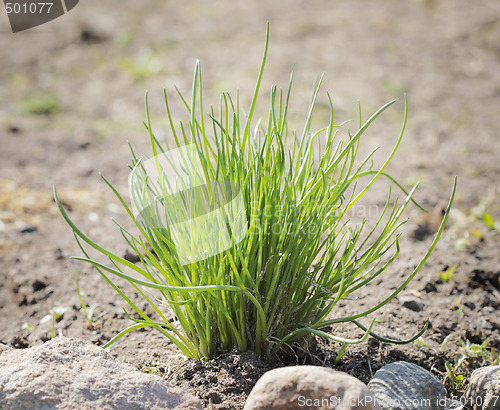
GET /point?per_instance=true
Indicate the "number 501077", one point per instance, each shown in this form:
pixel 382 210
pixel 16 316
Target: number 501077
pixel 28 8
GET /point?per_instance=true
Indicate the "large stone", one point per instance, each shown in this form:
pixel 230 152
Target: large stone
pixel 4 348
pixel 403 385
pixel 71 373
pixel 309 387
pixel 484 389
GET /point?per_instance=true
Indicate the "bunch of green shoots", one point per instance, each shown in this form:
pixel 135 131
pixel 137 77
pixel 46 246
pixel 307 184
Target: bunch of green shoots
pixel 275 275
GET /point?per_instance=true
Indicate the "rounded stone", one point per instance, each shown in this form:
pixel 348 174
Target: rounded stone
pixel 309 387
pixel 484 389
pixel 71 373
pixel 403 386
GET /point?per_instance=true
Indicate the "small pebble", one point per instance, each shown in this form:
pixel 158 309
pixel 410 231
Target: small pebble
pixel 29 229
pixel 14 129
pixel 412 303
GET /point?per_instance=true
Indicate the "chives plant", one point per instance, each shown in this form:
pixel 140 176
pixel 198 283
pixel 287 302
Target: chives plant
pixel 242 229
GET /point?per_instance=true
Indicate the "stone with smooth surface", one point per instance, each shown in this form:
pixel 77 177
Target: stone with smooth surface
pixel 484 389
pixel 4 348
pixel 403 385
pixel 71 373
pixel 309 387
pixel 412 303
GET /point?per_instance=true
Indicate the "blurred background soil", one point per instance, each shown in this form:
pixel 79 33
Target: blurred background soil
pixel 72 95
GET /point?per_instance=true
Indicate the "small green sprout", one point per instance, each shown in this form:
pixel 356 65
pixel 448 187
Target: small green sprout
pixel 470 349
pixel 458 305
pixel 56 313
pixel 462 243
pixel 490 222
pixel 455 379
pixel 421 342
pixel 41 104
pixel 467 350
pixel 249 244
pixel 146 65
pixel 447 274
pixel 28 327
pixel 88 312
pixel 445 342
pixel 483 212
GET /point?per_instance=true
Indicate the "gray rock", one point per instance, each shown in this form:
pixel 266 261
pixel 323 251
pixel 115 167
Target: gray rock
pixel 4 348
pixel 484 389
pixel 71 373
pixel 404 385
pixel 412 303
pixel 309 387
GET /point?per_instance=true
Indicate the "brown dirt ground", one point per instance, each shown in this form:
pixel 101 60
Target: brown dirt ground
pixel 99 60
